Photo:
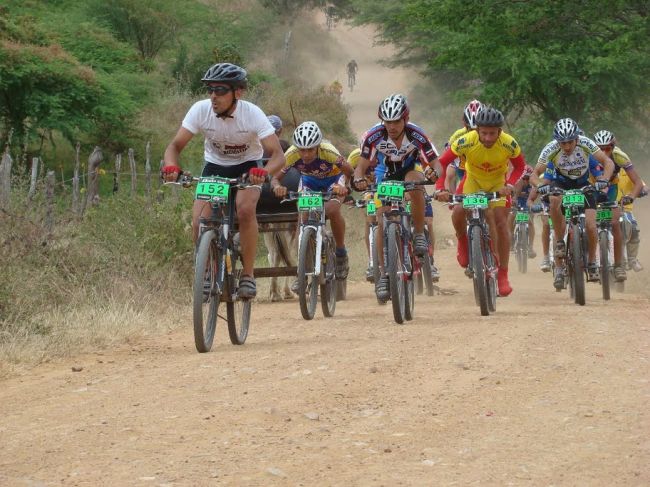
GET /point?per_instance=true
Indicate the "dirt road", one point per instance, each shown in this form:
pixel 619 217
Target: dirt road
pixel 542 393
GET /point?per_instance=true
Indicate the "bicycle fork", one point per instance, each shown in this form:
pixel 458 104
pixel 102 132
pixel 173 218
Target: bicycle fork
pixel 319 246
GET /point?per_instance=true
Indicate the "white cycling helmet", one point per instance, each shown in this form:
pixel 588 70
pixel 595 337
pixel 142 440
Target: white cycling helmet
pixel 565 130
pixel 604 137
pixel 469 114
pixel 393 108
pixel 307 135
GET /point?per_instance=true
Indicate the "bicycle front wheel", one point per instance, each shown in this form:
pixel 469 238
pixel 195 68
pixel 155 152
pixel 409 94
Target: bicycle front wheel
pixel 307 282
pixel 478 268
pixel 329 284
pixel 206 291
pixel 238 309
pixel 395 269
pixel 603 246
pixel 576 263
pixel 521 247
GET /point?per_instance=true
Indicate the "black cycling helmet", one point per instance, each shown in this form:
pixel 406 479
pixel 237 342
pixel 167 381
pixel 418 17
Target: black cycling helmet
pixel 227 73
pixel 489 117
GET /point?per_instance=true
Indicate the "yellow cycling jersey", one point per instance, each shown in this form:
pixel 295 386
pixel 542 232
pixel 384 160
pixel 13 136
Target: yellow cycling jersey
pixel 488 165
pixel 625 186
pixel 327 163
pixel 454 137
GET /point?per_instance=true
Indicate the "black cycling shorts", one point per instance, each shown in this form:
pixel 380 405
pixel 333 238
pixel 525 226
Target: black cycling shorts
pixel 211 169
pixel 590 197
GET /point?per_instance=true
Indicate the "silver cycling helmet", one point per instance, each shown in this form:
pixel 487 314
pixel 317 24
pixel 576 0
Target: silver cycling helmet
pixel 565 130
pixel 275 121
pixel 393 108
pixel 307 135
pixel 489 117
pixel 227 73
pixel 470 111
pixel 604 137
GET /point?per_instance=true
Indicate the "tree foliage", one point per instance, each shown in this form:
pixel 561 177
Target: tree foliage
pixel 149 25
pixel 588 59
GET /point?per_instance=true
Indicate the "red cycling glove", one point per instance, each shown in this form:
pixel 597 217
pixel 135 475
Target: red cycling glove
pixel 258 171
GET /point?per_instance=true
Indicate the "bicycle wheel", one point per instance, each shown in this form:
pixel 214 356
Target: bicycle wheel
pixel 238 310
pixel 206 291
pixel 491 279
pixel 394 271
pixel 478 267
pixel 328 282
pixel 577 264
pixel 603 247
pixel 376 272
pixel 307 282
pixel 521 247
pixel 409 284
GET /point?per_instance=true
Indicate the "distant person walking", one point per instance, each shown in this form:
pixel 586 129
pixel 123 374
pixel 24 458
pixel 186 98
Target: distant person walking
pixel 353 67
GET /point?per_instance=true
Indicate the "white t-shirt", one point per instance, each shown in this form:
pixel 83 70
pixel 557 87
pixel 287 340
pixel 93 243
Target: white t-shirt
pixel 229 141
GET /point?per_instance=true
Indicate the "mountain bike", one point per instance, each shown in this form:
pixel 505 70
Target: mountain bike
pixel 371 211
pixel 218 263
pixel 520 235
pixel 400 263
pixel 316 254
pixel 605 245
pixel 575 240
pixel 352 80
pixel 482 266
pixel 425 279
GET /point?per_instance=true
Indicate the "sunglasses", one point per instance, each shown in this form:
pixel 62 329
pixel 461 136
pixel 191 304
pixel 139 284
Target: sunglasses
pixel 218 90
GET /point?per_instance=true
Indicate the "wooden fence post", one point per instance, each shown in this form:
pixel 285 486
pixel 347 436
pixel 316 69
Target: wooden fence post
pixel 147 170
pixel 134 176
pixel 116 174
pixel 92 190
pixel 5 178
pixel 75 184
pixel 32 183
pixel 159 194
pixel 49 197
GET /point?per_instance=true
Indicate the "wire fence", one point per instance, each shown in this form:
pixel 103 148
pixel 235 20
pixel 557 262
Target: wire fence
pixel 73 195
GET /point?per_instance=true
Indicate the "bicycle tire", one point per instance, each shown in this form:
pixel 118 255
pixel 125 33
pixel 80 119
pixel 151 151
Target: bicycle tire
pixel 603 246
pixel 522 248
pixel 577 263
pixel 491 279
pixel 376 272
pixel 394 271
pixel 238 310
pixel 409 284
pixel 205 303
pixel 342 289
pixel 329 284
pixel 427 267
pixel 307 283
pixel 478 267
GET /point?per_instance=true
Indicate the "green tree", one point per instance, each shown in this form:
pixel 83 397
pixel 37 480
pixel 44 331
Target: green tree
pixel 588 59
pixel 148 24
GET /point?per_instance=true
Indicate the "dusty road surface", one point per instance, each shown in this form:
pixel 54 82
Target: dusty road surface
pixel 542 393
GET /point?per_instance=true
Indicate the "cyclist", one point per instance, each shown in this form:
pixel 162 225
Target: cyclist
pixel 568 166
pixel 521 194
pixel 538 171
pixel 322 168
pixel 277 124
pixel 352 67
pixel 399 149
pixel 456 170
pixel 487 151
pixel 607 143
pixel 236 135
pixel 625 187
pixel 353 160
